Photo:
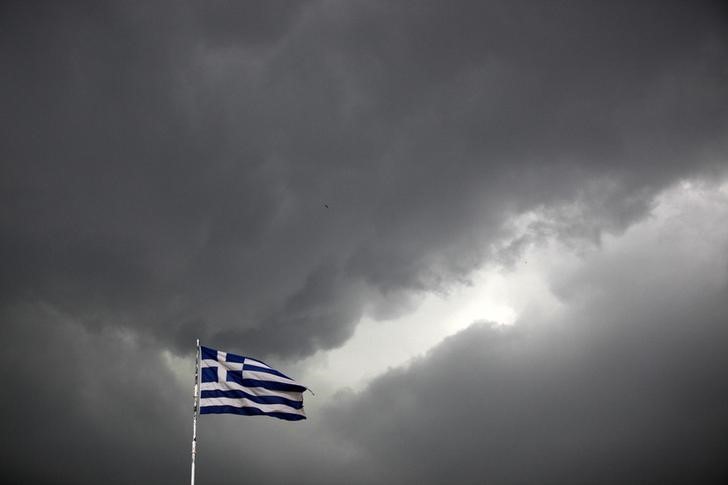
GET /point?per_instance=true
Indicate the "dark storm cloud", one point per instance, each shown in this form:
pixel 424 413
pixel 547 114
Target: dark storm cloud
pixel 165 174
pixel 87 407
pixel 644 406
pixel 166 167
pixel 626 385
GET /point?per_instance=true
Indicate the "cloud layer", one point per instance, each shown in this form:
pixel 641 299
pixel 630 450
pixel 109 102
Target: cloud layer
pixel 624 384
pixel 262 176
pixel 167 167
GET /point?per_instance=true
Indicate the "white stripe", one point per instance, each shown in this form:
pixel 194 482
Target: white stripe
pixel 209 363
pixel 239 403
pixel 255 391
pixel 227 365
pixel 264 376
pixel 258 363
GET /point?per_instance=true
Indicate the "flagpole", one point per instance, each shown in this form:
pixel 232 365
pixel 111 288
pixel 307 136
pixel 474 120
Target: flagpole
pixel 195 410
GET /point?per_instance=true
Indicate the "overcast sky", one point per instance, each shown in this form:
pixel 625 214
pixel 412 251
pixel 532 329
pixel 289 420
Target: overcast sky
pixel 492 236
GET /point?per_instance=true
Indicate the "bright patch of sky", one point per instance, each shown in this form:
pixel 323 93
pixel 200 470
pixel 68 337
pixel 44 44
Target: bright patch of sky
pixel 501 295
pixel 494 295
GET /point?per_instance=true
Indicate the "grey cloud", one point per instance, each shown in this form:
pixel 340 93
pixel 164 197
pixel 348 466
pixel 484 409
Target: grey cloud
pixel 168 164
pixel 626 384
pixel 224 23
pixel 88 407
pixel 163 177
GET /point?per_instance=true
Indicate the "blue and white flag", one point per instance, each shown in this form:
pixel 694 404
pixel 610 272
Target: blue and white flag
pixel 240 385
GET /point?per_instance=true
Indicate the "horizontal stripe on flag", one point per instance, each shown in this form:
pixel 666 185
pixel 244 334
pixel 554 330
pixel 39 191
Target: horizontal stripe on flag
pixel 256 391
pixel 266 376
pixel 237 394
pixel 268 408
pixel 249 411
pixel 207 363
pixel 266 384
pixel 267 370
pixel 257 363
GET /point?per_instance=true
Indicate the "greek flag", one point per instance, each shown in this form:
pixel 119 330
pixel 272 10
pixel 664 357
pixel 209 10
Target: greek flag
pixel 233 384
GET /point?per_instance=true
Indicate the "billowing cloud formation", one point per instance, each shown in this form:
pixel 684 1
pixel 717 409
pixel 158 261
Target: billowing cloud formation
pixel 86 407
pixel 166 167
pixel 624 381
pixel 264 175
pixel 625 384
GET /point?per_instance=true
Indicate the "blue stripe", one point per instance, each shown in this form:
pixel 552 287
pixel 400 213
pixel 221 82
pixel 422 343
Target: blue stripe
pixel 236 394
pixel 208 353
pixel 236 376
pixel 266 370
pixel 248 411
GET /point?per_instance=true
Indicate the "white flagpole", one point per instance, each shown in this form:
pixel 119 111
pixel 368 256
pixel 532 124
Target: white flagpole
pixel 195 410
